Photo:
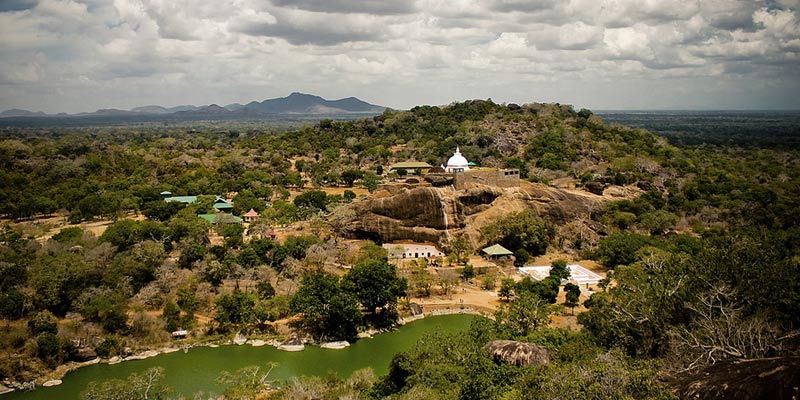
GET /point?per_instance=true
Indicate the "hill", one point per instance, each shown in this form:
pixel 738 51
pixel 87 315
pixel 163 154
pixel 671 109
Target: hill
pixel 300 103
pixel 296 104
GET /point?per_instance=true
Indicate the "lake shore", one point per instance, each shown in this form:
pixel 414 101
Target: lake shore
pixel 55 376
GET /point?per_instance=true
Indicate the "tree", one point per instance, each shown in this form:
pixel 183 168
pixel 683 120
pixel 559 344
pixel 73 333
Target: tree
pixel 507 288
pixel 421 280
pixel 185 225
pixel 245 200
pixel 145 386
pixel 109 309
pixel 12 304
pixel 375 284
pixel 572 293
pixel 620 248
pixel 519 230
pixel 50 349
pixel 468 272
pixel 460 247
pixel 246 383
pixel 488 282
pixel 234 309
pixel 447 280
pixel 351 175
pixel 370 181
pixel 326 311
pixel 72 234
pixel 315 200
pixel 524 315
pixel 43 322
pixel 521 256
pixel 265 290
pixel 232 232
pixel 559 270
pixel 349 195
pixel 658 221
pixel 172 316
pixel 160 210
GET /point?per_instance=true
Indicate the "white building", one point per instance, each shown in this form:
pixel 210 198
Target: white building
pixel 457 163
pixel 411 250
pixel 577 274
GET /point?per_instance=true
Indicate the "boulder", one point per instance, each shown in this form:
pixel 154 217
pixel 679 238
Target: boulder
pixel 240 338
pixel 595 187
pixel 293 344
pixel 766 378
pixel 520 354
pixel 335 345
pixel 439 179
pixel 85 354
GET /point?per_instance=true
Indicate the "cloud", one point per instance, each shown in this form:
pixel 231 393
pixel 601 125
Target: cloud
pixel 527 6
pixel 75 55
pixel 572 36
pixel 16 5
pixel 303 27
pixel 379 7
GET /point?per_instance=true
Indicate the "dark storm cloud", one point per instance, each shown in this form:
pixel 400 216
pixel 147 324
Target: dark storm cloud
pixel 16 5
pixel 310 33
pixel 529 6
pixel 378 7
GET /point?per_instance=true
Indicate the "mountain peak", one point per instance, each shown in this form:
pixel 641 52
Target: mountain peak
pixel 303 103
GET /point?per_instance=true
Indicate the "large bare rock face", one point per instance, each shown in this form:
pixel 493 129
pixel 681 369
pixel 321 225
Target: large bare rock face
pixel 436 214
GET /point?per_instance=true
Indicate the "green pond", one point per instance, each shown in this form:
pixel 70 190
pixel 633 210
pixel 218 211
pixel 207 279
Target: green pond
pixel 197 370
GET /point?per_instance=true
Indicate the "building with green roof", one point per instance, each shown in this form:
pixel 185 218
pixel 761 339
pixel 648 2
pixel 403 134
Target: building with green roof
pixel 411 165
pixel 181 199
pixel 497 251
pixel 221 218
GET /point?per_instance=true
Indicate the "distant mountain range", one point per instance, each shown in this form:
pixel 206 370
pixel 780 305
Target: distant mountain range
pixel 294 104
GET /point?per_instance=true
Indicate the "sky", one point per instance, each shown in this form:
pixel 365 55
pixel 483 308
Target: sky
pixel 74 56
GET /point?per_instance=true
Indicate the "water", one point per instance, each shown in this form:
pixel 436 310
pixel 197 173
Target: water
pixel 444 214
pixel 198 369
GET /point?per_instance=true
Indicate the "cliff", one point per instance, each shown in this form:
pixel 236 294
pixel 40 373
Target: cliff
pixel 436 214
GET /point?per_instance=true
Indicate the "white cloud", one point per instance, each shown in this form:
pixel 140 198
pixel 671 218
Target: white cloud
pixel 71 55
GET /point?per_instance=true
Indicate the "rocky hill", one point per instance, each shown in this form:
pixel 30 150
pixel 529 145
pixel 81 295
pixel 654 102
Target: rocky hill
pixel 437 214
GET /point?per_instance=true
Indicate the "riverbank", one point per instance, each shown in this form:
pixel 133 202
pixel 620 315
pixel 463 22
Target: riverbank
pixel 198 369
pixel 56 376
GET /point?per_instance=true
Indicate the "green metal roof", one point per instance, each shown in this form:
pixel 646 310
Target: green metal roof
pixel 181 199
pixel 497 250
pixel 213 218
pixel 410 165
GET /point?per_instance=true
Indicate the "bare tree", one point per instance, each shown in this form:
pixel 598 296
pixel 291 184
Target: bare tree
pixel 447 280
pixel 719 330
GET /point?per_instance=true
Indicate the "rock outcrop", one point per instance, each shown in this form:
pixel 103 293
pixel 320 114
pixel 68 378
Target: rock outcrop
pixel 436 214
pixel 768 378
pixel 520 354
pixel 85 354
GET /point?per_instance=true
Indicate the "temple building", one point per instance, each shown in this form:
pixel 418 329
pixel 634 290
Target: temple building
pixel 457 163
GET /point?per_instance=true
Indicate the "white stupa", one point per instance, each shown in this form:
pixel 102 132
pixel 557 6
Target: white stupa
pixel 457 163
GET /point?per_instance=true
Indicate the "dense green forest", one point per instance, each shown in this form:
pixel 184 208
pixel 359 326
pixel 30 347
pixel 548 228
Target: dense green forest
pixel 754 129
pixel 704 265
